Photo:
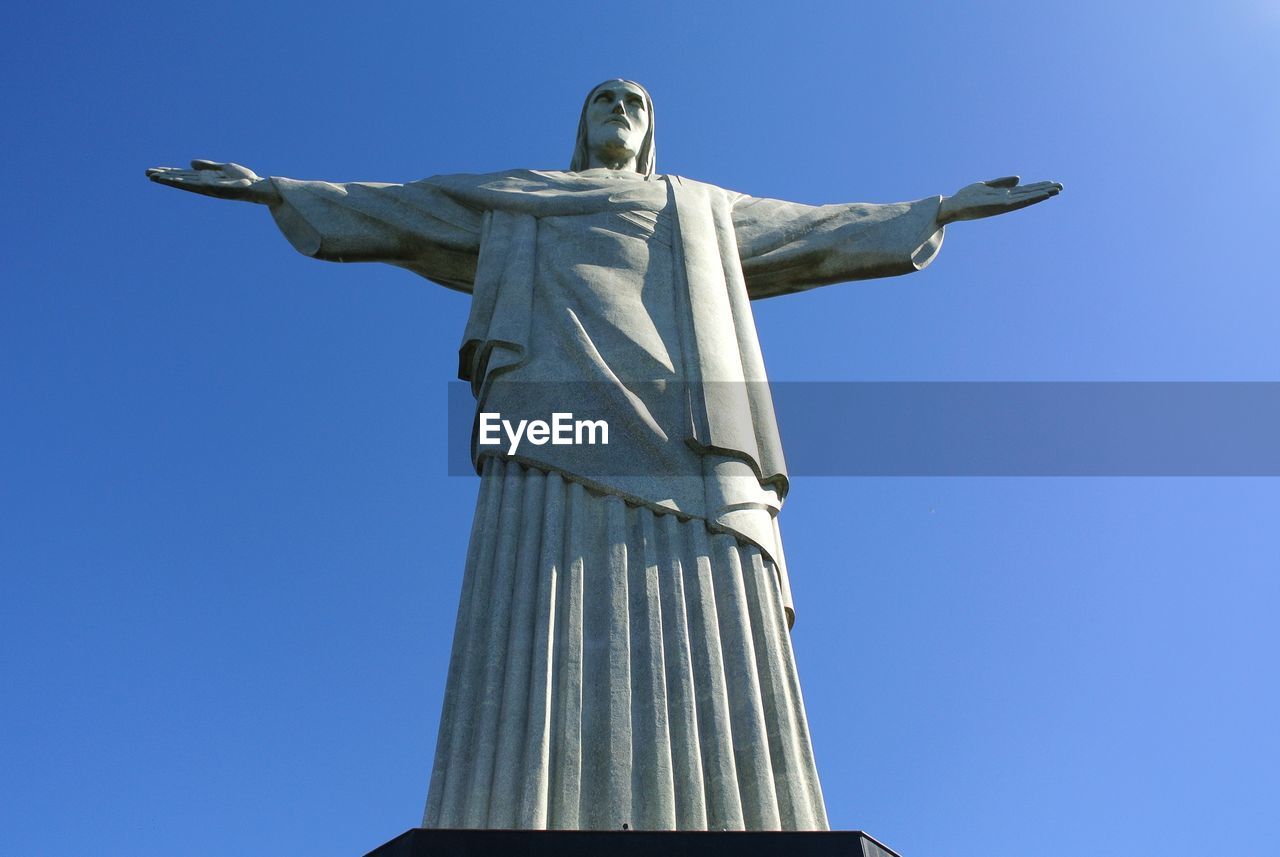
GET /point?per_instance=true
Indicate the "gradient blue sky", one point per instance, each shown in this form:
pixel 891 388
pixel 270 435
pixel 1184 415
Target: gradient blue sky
pixel 230 550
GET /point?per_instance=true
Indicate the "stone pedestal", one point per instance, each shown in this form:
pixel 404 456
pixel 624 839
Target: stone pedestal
pixel 421 842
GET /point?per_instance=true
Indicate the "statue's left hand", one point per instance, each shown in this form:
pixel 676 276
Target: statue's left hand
pixel 224 181
pixel 989 198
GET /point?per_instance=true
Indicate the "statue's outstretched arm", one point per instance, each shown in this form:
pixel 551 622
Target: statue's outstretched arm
pixel 224 181
pixel 788 247
pixel 417 226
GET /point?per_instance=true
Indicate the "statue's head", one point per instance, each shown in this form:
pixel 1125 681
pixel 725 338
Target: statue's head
pixel 617 117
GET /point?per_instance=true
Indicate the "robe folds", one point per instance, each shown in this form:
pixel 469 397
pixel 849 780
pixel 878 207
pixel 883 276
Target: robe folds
pixel 621 654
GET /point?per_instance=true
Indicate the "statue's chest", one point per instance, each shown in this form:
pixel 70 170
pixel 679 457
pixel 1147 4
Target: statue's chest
pixel 608 278
pixel 624 244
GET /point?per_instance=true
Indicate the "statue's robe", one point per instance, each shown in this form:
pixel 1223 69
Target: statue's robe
pixel 622 651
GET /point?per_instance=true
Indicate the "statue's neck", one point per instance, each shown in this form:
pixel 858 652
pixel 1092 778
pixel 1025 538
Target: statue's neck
pixel 612 158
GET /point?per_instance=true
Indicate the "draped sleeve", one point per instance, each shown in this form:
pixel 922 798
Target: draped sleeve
pixel 418 226
pixel 789 247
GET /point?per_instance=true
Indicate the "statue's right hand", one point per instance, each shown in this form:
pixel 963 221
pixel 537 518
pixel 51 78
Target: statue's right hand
pixel 225 181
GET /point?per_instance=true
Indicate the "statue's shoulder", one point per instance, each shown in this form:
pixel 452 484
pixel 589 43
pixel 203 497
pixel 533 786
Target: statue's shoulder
pixel 511 181
pixel 712 191
pixel 476 179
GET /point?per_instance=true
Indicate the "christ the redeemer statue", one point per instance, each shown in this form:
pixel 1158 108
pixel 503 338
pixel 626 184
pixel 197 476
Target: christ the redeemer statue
pixel 622 651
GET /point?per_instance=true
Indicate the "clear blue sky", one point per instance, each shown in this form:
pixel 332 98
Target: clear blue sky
pixel 230 549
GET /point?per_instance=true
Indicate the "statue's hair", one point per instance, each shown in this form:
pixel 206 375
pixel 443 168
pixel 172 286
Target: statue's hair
pixel 645 159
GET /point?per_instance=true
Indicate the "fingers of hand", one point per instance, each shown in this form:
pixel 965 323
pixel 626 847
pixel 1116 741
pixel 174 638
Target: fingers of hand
pixel 1037 187
pixel 1023 200
pixel 209 182
pixel 1003 181
pixel 199 164
pixel 172 175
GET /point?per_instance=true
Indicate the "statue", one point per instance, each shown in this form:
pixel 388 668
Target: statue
pixel 622 651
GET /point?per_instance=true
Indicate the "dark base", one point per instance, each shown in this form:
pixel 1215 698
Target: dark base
pixel 420 842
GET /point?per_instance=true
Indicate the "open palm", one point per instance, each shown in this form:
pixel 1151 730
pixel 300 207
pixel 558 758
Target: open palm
pixel 211 178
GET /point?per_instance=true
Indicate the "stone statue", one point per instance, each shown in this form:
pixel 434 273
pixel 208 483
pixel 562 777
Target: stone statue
pixel 622 651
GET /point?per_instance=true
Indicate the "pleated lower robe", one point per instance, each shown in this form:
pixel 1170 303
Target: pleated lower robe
pixel 616 665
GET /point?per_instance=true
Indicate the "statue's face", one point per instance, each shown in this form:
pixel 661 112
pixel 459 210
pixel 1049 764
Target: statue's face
pixel 617 118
